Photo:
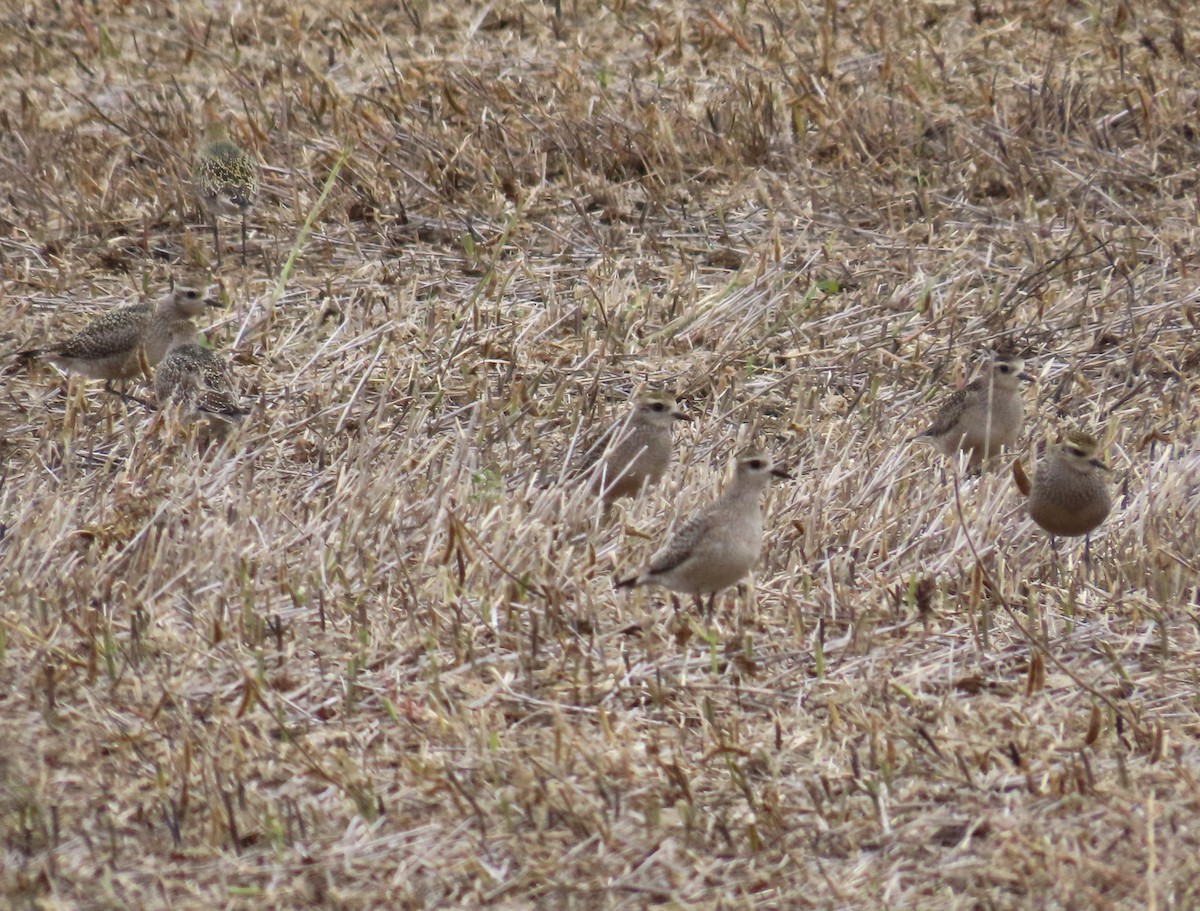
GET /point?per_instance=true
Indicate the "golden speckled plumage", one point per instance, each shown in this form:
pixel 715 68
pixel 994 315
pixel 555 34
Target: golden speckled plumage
pixel 114 346
pixel 225 179
pixel 197 381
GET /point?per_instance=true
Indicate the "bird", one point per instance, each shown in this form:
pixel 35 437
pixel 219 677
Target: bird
pixel 1069 496
pixel 983 416
pixel 224 176
pixel 198 382
pixel 635 452
pixel 121 343
pixel 719 545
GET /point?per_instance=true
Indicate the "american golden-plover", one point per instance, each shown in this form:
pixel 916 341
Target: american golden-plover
pixel 1069 496
pixel 635 452
pixel 120 344
pixel 982 417
pixel 225 177
pixel 198 383
pixel 720 544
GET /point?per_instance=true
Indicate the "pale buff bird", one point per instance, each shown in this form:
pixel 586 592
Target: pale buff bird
pixel 119 344
pixel 982 417
pixel 1069 496
pixel 720 544
pixel 198 383
pixel 225 177
pixel 635 452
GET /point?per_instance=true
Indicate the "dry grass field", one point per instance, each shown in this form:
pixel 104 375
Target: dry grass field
pixel 363 656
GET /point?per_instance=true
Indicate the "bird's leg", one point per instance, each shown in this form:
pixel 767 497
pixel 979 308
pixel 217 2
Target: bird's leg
pixel 243 239
pixel 1057 560
pixel 975 463
pixel 129 397
pixel 712 604
pixel 216 241
pixel 743 593
pixel 119 393
pixel 126 396
pixel 109 417
pixel 1087 550
pixel 675 605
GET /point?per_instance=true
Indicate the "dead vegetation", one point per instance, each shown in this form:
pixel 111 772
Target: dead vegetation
pixel 356 659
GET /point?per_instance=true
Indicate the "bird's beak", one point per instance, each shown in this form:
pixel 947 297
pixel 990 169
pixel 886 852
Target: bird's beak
pixel 681 416
pixel 781 473
pixel 214 302
pixel 1099 464
pixel 1027 377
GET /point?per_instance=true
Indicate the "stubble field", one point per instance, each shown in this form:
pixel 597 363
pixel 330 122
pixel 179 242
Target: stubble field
pixel 365 656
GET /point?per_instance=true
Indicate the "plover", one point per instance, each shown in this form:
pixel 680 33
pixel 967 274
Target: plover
pixel 224 176
pixel 635 452
pixel 197 382
pixel 1069 496
pixel 720 544
pixel 982 417
pixel 121 343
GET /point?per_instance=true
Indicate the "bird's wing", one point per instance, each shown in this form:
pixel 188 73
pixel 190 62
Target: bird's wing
pixel 221 403
pixel 949 413
pixel 683 543
pixel 216 389
pixel 596 449
pixel 217 374
pixel 120 330
pixel 175 381
pixel 219 395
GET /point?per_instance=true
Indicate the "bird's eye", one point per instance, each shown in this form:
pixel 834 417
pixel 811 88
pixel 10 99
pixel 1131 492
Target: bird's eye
pixel 1004 368
pixel 658 406
pixel 757 464
pixel 1075 451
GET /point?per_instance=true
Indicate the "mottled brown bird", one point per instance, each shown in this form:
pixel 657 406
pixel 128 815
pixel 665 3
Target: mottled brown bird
pixel 982 417
pixel 635 452
pixel 198 383
pixel 720 544
pixel 1069 496
pixel 119 344
pixel 224 176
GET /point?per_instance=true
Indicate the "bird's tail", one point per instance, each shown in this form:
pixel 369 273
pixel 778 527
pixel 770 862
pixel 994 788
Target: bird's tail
pixel 631 582
pixel 28 361
pixel 1022 480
